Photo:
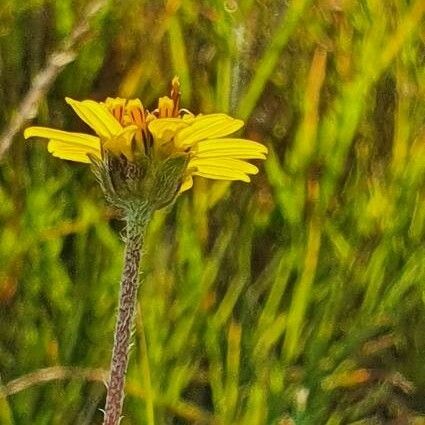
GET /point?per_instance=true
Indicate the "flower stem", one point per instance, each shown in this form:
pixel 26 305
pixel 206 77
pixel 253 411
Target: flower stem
pixel 137 220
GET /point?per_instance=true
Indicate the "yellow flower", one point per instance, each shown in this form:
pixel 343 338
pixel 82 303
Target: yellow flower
pixel 124 128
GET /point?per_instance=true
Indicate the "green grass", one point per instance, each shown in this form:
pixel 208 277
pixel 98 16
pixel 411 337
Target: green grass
pixel 296 299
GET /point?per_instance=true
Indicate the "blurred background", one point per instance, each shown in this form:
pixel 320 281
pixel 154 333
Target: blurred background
pixel 296 299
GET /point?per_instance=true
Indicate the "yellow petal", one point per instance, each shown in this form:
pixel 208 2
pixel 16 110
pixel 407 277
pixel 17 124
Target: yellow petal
pixel 207 127
pixel 165 107
pixel 221 174
pixel 187 184
pixel 97 116
pixel 116 106
pixel 136 113
pixel 85 140
pixel 231 153
pixel 234 148
pixel 122 142
pixel 66 145
pixel 224 163
pixel 164 129
pixel 64 150
pixel 222 169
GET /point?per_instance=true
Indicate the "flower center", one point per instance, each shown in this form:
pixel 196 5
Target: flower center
pixel 148 138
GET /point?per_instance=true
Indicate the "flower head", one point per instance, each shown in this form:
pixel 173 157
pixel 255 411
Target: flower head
pixel 133 145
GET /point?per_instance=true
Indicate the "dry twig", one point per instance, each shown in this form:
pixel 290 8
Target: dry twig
pixel 51 374
pixel 56 62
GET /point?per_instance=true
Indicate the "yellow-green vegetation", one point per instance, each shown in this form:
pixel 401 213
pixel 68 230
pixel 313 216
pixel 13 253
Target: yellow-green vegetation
pixel 297 299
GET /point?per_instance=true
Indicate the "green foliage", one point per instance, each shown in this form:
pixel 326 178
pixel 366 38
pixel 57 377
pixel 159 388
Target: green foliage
pixel 296 299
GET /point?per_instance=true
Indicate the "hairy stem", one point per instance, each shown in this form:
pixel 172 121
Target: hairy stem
pixel 137 220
